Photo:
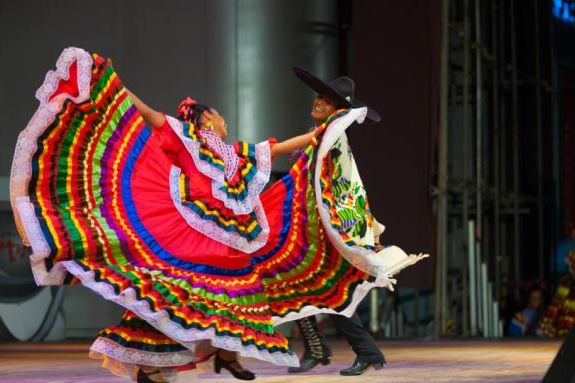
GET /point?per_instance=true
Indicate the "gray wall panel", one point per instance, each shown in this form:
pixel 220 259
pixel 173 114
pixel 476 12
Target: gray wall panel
pixel 235 55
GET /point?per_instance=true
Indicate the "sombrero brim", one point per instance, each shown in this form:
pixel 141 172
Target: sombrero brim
pixel 321 87
pixel 372 114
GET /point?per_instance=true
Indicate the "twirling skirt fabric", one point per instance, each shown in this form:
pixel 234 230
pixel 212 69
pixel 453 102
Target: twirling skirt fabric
pixel 182 236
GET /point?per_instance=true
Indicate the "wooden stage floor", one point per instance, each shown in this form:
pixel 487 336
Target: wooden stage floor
pixel 523 361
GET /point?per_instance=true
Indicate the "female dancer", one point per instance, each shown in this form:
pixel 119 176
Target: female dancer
pixel 161 216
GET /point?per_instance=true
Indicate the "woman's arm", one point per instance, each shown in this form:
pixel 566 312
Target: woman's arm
pixel 152 117
pixel 295 143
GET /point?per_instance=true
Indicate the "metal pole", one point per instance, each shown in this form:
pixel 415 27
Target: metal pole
pixel 480 293
pixel 489 308
pixel 441 267
pixel 515 127
pixel 478 129
pixel 503 145
pixel 495 311
pixel 416 316
pixel 539 128
pixel 482 279
pixel 483 300
pixel 465 111
pixel 556 224
pixel 496 151
pixel 472 278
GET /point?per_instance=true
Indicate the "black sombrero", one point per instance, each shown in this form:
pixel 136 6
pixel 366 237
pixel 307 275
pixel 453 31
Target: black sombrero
pixel 341 90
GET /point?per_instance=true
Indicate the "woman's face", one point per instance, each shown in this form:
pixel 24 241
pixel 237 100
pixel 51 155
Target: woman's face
pixel 322 108
pixel 212 121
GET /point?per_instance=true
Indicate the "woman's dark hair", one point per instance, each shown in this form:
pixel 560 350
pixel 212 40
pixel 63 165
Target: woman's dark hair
pixel 191 111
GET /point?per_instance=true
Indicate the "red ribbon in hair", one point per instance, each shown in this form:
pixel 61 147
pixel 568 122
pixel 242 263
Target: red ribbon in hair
pixel 185 111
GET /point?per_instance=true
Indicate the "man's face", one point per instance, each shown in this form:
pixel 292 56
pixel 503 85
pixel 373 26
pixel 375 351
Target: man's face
pixel 322 108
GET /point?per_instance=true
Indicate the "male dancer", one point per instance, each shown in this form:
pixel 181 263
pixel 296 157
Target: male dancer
pixel 332 96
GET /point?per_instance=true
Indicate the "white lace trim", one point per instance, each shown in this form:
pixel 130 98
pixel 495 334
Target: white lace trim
pixel 26 146
pixel 386 262
pixel 160 320
pixel 359 294
pixel 114 350
pixel 225 151
pixel 211 229
pixel 67 57
pixel 40 247
pixel 130 370
pixel 254 186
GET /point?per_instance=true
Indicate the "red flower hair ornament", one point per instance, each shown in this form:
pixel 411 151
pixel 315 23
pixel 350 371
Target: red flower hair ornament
pixel 185 111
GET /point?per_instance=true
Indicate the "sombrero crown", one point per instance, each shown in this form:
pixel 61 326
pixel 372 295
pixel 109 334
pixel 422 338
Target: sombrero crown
pixel 340 90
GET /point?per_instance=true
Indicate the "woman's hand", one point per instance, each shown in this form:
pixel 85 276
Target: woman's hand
pixel 152 117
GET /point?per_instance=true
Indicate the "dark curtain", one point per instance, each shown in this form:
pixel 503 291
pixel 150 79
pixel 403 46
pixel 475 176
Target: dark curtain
pixel 394 60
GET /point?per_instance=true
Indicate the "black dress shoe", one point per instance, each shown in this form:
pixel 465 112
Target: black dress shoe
pixel 307 363
pixel 146 377
pixel 360 367
pixel 232 367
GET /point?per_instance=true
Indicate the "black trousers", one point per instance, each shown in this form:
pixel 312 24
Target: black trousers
pixel 355 334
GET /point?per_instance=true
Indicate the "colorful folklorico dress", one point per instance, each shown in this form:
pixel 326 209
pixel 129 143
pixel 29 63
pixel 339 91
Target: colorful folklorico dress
pixel 172 224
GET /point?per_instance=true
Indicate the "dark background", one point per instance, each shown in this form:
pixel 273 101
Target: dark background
pixel 395 63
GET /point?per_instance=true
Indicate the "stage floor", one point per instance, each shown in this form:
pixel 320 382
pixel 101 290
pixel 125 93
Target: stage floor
pixel 416 361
